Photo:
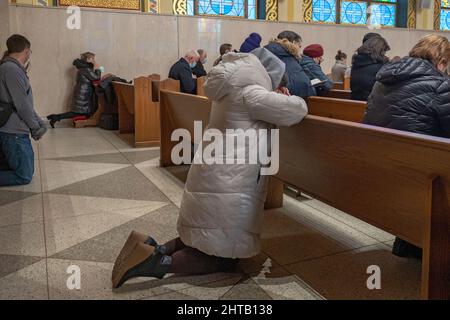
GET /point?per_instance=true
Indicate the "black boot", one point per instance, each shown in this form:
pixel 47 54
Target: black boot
pixel 53 119
pixel 143 261
pixel 403 249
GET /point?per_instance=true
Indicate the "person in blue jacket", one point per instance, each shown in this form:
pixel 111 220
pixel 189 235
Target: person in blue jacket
pixel 311 61
pixel 287 48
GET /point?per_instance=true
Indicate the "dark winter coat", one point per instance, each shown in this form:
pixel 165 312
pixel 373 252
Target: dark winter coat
pixel 314 71
pixel 182 72
pixel 411 95
pixel 299 83
pixel 84 89
pixel 364 71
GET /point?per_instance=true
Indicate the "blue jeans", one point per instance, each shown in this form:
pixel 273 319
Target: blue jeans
pixel 16 159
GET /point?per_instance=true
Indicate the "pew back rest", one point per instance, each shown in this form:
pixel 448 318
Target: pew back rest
pixel 167 84
pixel 381 176
pixel 200 83
pixel 125 95
pixel 348 110
pixel 338 94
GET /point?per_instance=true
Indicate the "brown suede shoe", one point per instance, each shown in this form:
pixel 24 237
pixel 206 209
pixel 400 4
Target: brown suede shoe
pixel 134 238
pixel 136 256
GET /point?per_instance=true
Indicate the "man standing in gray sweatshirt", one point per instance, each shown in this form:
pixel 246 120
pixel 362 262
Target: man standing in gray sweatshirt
pixel 16 152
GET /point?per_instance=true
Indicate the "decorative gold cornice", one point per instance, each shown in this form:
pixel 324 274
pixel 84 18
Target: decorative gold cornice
pixel 437 15
pixel 411 14
pixel 307 10
pixel 180 7
pixel 109 4
pixel 272 10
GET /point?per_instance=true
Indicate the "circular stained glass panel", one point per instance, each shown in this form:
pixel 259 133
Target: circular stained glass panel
pixel 354 12
pixel 223 7
pixel 321 10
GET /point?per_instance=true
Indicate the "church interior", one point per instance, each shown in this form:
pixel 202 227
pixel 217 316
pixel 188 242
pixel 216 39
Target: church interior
pixel 106 196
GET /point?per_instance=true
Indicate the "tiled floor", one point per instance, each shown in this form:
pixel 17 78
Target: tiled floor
pixel 91 189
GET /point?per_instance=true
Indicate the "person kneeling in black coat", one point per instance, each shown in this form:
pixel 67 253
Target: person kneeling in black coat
pixel 82 102
pixel 413 94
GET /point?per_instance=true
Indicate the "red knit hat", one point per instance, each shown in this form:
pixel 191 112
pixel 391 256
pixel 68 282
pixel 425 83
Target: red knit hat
pixel 313 51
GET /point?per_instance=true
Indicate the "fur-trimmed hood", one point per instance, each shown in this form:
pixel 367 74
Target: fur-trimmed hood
pixel 288 46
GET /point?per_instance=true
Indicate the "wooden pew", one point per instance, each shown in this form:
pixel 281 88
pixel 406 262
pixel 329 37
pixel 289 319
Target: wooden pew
pixel 338 94
pixel 167 84
pixel 345 85
pixel 365 171
pixel 200 83
pixel 349 110
pixel 180 110
pixel 138 113
pixel 397 181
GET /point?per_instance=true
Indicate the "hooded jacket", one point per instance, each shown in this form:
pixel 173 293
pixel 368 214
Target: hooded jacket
pixel 84 89
pixel 299 82
pixel 363 73
pixel 411 95
pixel 314 71
pixel 222 206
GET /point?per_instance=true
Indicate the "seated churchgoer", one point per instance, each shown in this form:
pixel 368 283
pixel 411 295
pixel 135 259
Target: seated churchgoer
pixel 252 42
pixel 340 67
pixel 18 118
pixel 311 61
pixel 366 63
pixel 82 102
pixel 224 49
pixel 221 212
pixel 199 69
pixel 182 71
pixel 413 95
pixel 287 48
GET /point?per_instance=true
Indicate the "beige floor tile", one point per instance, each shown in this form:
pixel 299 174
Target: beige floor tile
pixel 82 223
pixel 351 221
pixel 22 211
pixel 24 239
pixel 56 173
pixel 344 276
pixel 164 181
pixel 29 283
pixel 298 232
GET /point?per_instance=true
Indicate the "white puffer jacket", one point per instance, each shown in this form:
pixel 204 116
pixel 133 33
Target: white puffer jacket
pixel 222 206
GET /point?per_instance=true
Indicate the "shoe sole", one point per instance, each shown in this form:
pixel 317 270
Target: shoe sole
pixel 138 254
pixel 133 239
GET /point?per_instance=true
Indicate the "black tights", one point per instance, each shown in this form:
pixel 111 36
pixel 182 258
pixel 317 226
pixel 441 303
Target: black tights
pixel 187 260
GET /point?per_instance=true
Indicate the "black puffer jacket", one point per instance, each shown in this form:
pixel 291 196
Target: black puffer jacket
pixel 364 71
pixel 411 95
pixel 84 89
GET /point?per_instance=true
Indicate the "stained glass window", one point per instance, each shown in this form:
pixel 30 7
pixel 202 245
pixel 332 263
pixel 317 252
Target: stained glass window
pixel 232 8
pixel 353 12
pixel 383 14
pixel 445 14
pixel 324 11
pixel 362 12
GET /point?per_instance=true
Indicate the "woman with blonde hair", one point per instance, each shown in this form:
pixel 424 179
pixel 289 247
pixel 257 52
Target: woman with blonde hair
pixel 413 94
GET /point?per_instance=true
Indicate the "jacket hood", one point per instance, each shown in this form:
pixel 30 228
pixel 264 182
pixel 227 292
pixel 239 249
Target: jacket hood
pixel 407 69
pixel 81 64
pixel 274 66
pixel 222 78
pixel 360 60
pixel 284 48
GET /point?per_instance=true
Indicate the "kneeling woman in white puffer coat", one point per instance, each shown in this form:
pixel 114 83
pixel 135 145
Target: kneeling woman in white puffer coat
pixel 222 207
